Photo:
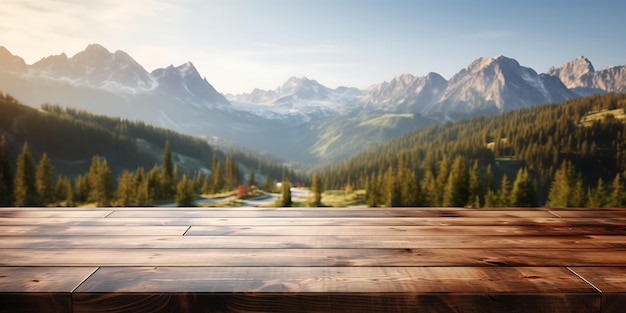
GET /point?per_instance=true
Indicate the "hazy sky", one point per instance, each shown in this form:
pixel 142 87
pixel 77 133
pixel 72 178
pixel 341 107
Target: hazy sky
pixel 242 44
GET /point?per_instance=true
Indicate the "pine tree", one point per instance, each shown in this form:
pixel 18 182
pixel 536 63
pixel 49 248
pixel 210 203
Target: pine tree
pixel 206 185
pixel 597 197
pixel 285 199
pixel 504 196
pixel 81 189
pixel 251 180
pixel 44 181
pixel 523 193
pixel 168 173
pixel 24 190
pixel 144 197
pixel 429 190
pixel 474 186
pixel 316 188
pixel 616 198
pixel 126 190
pixel 218 180
pixel 63 191
pixel 456 191
pixel 100 182
pixel 561 188
pixel 184 192
pixel 266 184
pixel 491 199
pixel 6 174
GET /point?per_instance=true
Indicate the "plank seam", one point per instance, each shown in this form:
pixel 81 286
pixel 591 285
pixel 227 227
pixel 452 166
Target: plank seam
pixel 554 214
pixel 84 280
pixel 584 279
pixel 185 233
pixel 109 214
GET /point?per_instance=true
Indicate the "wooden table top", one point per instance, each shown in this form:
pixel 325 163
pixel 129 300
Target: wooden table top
pixel 312 260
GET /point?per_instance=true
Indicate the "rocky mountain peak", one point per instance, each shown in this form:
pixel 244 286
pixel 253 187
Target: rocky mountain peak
pixel 10 62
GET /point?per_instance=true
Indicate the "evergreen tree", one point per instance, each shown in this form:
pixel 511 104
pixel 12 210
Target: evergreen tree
pixel 523 193
pixel 266 184
pixel 144 197
pixel 24 190
pixel 168 173
pixel 504 197
pixel 184 192
pixel 616 198
pixel 206 185
pixel 218 180
pixel 409 188
pixel 64 192
pixel 6 174
pixel 251 180
pixel 441 180
pixel 126 190
pixel 100 182
pixel 597 196
pixel 456 191
pixel 285 199
pixel 168 164
pixel 474 186
pixel 429 190
pixel 316 188
pixel 491 199
pixel 81 189
pixel 561 188
pixel 44 181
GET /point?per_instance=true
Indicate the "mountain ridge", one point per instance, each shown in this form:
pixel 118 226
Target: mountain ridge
pixel 294 119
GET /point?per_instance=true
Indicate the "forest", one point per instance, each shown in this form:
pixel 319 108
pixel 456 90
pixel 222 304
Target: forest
pixel 560 155
pixel 89 158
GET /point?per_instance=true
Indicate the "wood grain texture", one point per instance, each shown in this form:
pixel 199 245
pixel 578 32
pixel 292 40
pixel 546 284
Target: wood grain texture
pixel 311 257
pixel 323 221
pixel 366 230
pixel 322 289
pixel 313 242
pixel 39 289
pixel 611 281
pixel 339 213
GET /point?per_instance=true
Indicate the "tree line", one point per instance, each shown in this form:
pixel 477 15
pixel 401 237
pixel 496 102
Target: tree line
pixel 479 161
pixel 33 184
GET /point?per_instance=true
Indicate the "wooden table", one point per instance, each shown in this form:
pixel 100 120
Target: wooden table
pixel 312 260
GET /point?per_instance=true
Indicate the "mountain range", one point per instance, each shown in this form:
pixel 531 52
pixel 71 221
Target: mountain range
pixel 301 120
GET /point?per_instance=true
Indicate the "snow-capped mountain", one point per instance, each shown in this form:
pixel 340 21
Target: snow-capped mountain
pixel 497 84
pixel 99 68
pixel 580 76
pixel 302 119
pixel 298 96
pixel 406 93
pixel 186 83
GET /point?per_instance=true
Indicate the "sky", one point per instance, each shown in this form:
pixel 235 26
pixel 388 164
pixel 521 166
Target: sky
pixel 239 45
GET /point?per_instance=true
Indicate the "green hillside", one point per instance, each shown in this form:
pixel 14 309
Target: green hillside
pixel 71 138
pixel 583 138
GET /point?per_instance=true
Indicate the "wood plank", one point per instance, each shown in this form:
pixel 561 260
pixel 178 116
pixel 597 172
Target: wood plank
pixel 611 281
pixel 91 230
pixel 314 213
pixel 39 289
pixel 543 230
pixel 591 214
pixel 324 221
pixel 311 257
pixel 312 242
pixel 52 213
pixel 400 289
